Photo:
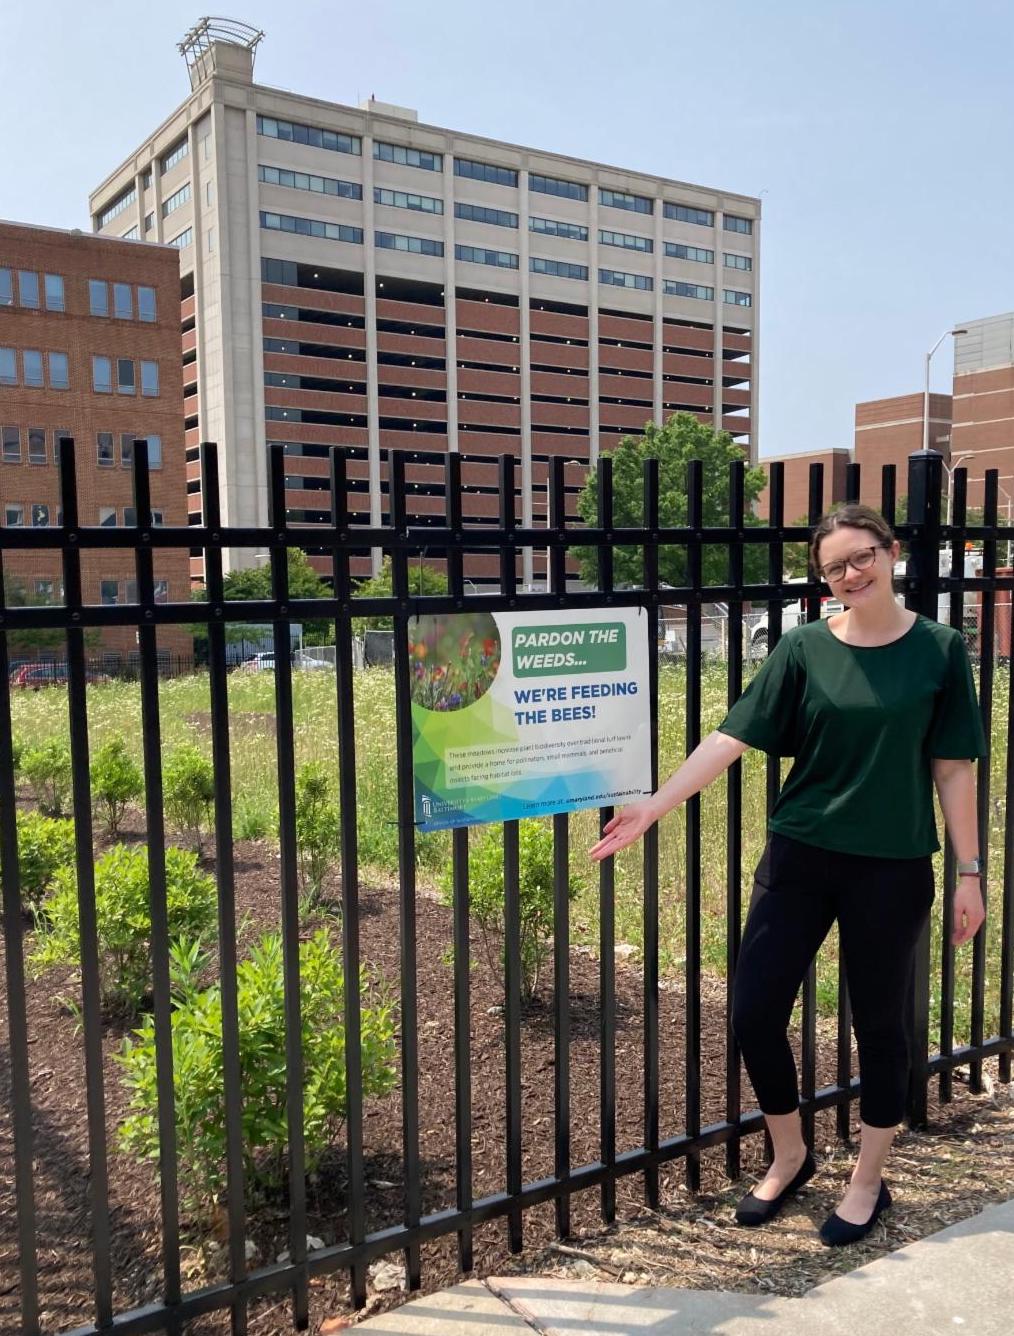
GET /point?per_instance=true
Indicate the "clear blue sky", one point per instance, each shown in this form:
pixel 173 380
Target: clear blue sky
pixel 878 134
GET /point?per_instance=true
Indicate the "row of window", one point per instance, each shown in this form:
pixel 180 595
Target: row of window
pixel 33 369
pixel 115 592
pixel 311 227
pixel 126 376
pixel 184 239
pixel 320 185
pixel 175 200
pixel 126 299
pixel 37 444
pixel 128 197
pixel 37 440
pixel 30 291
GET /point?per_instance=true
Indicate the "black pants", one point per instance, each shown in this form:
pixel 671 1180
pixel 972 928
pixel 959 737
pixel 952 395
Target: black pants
pixel 881 905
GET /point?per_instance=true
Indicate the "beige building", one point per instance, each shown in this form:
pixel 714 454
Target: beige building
pixel 982 436
pixel 352 275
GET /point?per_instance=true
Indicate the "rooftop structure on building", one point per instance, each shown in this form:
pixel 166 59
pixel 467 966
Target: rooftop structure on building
pixel 982 436
pixel 354 276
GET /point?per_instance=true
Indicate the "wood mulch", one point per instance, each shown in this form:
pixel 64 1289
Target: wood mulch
pixel 963 1162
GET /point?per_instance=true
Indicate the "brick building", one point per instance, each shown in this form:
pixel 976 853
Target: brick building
pixel 797 481
pixel 887 431
pixel 354 276
pixel 983 432
pixel 90 348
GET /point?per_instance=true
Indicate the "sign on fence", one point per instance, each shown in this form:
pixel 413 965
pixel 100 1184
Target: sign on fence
pixel 524 714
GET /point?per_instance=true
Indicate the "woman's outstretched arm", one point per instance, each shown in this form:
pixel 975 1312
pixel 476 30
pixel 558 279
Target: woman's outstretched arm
pixel 704 764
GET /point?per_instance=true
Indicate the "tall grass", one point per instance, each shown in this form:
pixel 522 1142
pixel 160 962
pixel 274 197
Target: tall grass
pixel 114 710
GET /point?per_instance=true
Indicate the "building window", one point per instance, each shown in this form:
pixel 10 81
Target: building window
pixel 206 146
pixel 557 268
pixel 53 284
pixel 129 522
pixel 677 251
pixel 32 361
pixel 211 240
pixel 109 592
pixel 176 154
pixel 107 517
pixel 319 185
pixel 408 157
pixel 131 234
pixel 125 376
pixel 98 296
pixel 622 199
pixel 402 199
pixel 554 185
pixel 294 133
pixel 14 515
pixel 123 301
pixel 481 255
pixel 552 227
pixel 311 227
pixel 184 239
pixel 28 288
pixel 105 453
pixel 621 280
pixel 682 213
pixel 40 516
pixel 37 445
pixel 732 298
pixel 12 445
pixel 102 375
pixel 8 367
pixel 209 192
pixel 417 245
pixel 146 180
pixel 154 452
pixel 161 586
pixel 146 305
pixel 174 201
pixel 6 288
pixel 120 203
pixel 59 371
pixel 675 288
pixel 627 240
pixel 733 223
pixel 737 262
pixel 479 213
pixel 485 171
pixel 149 221
pixel 149 379
pixel 126 449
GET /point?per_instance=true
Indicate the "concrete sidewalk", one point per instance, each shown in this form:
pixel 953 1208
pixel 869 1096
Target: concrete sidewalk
pixel 961 1279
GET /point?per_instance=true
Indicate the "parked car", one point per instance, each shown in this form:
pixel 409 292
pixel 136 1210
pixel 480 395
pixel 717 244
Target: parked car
pixel 793 614
pixel 258 663
pixel 36 675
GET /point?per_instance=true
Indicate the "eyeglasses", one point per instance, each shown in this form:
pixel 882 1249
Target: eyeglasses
pixel 860 560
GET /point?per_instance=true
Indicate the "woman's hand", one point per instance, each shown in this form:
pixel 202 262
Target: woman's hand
pixel 628 825
pixel 969 910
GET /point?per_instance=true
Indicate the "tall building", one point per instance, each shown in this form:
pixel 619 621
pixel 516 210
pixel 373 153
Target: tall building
pixel 352 275
pixel 887 431
pixel 89 348
pixel 983 434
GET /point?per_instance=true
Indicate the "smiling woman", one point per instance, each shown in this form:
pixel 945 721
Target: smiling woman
pixel 876 704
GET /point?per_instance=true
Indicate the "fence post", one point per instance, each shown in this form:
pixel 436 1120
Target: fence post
pixel 925 472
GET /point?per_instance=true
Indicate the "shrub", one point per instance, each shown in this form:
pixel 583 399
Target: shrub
pixel 198 1070
pixel 17 752
pixel 124 918
pixel 189 793
pixel 45 844
pixel 116 781
pixel 47 768
pixel 486 897
pixel 318 829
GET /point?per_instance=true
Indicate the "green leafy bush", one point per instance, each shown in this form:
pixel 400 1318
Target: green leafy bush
pixel 124 918
pixel 116 781
pixel 318 829
pixel 197 1067
pixel 17 752
pixel 486 897
pixel 47 768
pixel 188 792
pixel 45 844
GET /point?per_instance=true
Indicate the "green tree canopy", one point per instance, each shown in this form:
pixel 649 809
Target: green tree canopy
pixel 255 583
pixel 674 445
pixel 422 579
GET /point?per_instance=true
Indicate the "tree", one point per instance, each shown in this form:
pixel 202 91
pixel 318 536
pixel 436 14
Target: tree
pixel 674 445
pixel 255 584
pixel 422 579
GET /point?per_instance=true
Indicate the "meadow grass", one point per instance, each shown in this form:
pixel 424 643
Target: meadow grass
pixel 114 710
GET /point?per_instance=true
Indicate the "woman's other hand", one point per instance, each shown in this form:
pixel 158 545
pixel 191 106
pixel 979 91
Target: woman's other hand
pixel 969 910
pixel 628 825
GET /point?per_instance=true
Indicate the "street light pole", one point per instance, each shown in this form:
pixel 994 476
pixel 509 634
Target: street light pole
pixel 926 384
pixel 950 482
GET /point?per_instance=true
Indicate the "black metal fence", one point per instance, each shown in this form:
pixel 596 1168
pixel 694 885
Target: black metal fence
pixel 924 535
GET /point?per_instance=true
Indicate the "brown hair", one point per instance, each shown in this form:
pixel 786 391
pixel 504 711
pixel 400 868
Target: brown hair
pixel 850 516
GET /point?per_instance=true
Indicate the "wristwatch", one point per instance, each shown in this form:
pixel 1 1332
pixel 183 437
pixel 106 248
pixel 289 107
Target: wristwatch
pixel 972 868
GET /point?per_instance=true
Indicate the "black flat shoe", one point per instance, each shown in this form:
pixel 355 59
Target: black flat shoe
pixel 751 1211
pixel 836 1232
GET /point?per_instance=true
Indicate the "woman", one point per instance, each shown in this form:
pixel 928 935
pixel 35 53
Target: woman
pixel 876 705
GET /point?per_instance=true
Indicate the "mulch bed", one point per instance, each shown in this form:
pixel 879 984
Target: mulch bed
pixel 673 1247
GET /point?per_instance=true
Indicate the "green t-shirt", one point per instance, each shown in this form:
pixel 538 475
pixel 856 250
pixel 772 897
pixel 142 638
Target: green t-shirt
pixel 863 723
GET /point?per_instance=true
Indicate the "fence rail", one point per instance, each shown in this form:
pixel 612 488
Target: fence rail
pixel 924 535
